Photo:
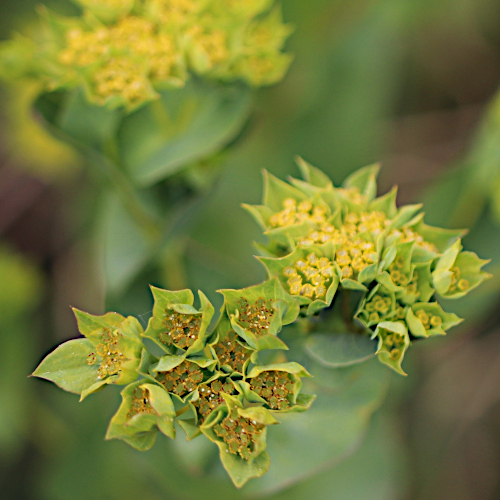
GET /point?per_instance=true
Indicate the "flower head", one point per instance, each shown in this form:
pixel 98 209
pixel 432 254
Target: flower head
pixel 328 240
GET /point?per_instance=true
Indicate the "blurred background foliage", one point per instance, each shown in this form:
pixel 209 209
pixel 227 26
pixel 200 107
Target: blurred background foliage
pixel 411 83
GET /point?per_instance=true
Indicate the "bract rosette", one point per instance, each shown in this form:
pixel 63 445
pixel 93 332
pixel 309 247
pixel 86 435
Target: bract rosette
pixel 240 434
pixel 258 313
pixel 176 324
pixel 145 409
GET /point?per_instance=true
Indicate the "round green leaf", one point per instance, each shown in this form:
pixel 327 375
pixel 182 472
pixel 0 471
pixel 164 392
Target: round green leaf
pixel 340 349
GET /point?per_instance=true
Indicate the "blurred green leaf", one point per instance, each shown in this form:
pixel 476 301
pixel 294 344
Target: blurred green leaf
pixel 126 247
pixel 87 123
pixel 377 471
pixel 340 349
pixel 73 117
pixel 185 125
pixel 306 443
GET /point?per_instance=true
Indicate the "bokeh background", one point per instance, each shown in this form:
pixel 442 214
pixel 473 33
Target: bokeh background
pixel 412 83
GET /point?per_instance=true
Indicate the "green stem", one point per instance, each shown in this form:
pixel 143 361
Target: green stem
pixel 128 193
pixel 162 117
pixel 174 266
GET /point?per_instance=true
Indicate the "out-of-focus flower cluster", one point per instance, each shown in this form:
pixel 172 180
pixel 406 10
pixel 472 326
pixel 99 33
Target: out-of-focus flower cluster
pixel 325 241
pixel 122 52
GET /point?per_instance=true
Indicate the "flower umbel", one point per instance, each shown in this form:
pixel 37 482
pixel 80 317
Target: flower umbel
pixel 348 264
pixel 123 52
pixel 400 265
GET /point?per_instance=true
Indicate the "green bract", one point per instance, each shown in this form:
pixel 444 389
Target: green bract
pixel 110 354
pixel 393 341
pixel 240 434
pixel 356 274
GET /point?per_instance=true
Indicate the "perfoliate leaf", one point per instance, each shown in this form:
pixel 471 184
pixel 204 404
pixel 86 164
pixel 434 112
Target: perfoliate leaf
pixel 239 470
pixel 277 191
pixel 404 215
pixel 431 319
pixel 441 238
pixel 457 273
pixel 117 345
pixel 386 203
pixel 91 326
pixel 335 350
pixel 260 213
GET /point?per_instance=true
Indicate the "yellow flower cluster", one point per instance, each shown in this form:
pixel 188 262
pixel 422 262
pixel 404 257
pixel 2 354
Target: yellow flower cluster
pixel 239 433
pixel 121 53
pixel 232 353
pixel 352 194
pixel 210 396
pixel 457 282
pixel 124 58
pixel 428 320
pixel 393 343
pixel 140 403
pixel 398 277
pixel 181 329
pixel 174 13
pixel 379 306
pixel 111 356
pixel 182 379
pixel 407 234
pixel 354 251
pixel 256 317
pixel 296 212
pixel 310 277
pixel 274 386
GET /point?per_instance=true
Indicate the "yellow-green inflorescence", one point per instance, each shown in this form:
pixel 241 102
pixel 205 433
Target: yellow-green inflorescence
pixel 341 259
pixel 208 380
pixel 123 52
pixel 327 241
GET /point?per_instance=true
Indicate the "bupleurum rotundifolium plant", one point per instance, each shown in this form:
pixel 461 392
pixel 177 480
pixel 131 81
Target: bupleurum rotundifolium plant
pixel 325 244
pixel 123 52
